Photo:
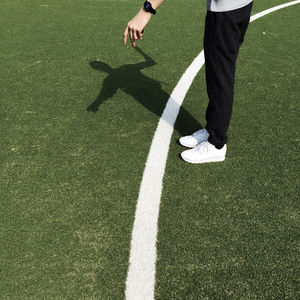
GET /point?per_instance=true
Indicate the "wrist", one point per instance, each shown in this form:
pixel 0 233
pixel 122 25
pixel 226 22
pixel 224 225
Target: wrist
pixel 145 14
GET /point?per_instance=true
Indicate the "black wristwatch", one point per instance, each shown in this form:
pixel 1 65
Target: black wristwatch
pixel 148 8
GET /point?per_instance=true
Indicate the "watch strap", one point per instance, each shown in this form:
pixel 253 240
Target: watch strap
pixel 148 7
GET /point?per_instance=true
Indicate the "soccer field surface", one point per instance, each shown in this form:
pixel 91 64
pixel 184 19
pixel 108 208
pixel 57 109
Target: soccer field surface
pixel 78 116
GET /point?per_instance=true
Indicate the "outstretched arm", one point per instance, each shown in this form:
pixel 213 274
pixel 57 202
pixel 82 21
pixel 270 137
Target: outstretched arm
pixel 138 23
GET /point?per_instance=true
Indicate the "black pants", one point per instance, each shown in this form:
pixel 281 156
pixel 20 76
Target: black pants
pixel 224 34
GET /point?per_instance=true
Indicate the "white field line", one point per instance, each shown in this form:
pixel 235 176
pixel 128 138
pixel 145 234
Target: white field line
pixel 141 273
pixel 268 11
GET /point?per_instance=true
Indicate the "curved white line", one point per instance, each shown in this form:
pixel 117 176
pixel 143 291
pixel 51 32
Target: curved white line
pixel 141 273
pixel 268 11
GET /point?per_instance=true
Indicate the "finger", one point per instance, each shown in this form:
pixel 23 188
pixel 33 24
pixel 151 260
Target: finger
pixel 125 34
pixel 134 37
pixel 131 37
pixel 142 33
pixel 135 34
pixel 139 35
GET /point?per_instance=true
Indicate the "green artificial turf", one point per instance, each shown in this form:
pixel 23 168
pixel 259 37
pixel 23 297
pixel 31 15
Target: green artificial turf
pixel 78 114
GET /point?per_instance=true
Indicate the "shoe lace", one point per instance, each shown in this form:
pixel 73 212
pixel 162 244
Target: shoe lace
pixel 203 147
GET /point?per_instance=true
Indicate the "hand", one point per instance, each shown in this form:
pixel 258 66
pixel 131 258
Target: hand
pixel 135 27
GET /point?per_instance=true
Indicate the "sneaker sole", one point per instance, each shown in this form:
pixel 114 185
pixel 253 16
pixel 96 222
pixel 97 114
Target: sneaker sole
pixel 212 159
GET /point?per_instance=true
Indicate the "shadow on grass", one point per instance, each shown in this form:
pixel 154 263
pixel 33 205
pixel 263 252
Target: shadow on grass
pixel 143 89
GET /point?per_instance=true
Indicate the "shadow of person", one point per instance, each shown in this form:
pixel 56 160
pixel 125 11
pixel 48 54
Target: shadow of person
pixel 143 89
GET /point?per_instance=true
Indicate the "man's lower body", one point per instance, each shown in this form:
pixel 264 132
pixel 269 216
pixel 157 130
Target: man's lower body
pixel 224 34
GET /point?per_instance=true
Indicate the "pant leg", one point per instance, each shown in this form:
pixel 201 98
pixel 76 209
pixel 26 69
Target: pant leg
pixel 224 34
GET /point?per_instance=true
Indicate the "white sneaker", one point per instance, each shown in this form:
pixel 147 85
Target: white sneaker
pixel 203 153
pixel 196 138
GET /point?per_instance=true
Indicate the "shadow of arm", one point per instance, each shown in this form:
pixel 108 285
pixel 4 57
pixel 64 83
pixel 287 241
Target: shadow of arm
pixel 149 61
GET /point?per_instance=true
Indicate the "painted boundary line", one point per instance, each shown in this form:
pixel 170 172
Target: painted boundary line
pixel 140 281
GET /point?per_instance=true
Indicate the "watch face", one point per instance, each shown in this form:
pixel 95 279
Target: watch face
pixel 147 6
